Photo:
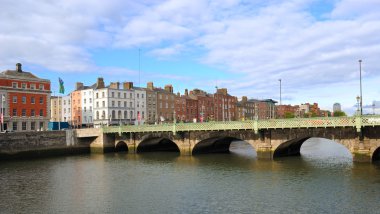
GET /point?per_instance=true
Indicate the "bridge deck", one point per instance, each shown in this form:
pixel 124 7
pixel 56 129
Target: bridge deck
pixel 320 122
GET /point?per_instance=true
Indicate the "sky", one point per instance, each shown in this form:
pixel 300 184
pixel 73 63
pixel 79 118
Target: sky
pixel 245 46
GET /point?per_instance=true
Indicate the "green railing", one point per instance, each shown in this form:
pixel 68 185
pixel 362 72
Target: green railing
pixel 320 122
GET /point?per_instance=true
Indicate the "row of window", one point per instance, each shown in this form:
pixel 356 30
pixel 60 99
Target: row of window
pixel 15 126
pixel 120 115
pixel 25 86
pixel 119 95
pixel 24 100
pixel 24 113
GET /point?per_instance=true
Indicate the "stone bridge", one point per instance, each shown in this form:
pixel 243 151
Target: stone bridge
pixel 270 138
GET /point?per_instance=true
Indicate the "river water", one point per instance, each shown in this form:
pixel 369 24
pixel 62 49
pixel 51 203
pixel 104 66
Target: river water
pixel 323 180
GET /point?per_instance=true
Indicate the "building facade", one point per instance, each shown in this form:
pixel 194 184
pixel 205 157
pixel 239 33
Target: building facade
pixel 151 104
pixel 55 109
pixel 224 105
pixel 165 104
pixel 246 109
pixel 26 103
pixel 205 105
pixel 66 109
pixel 186 108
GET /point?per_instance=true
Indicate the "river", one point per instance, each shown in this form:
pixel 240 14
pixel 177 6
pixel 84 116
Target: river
pixel 322 180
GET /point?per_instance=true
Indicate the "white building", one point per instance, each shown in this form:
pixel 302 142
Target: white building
pixel 140 105
pixel 87 98
pixel 66 108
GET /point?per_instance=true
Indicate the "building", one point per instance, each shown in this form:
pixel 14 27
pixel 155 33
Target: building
pixel 165 104
pixel 246 109
pixel 151 104
pixel 224 105
pixel 337 107
pixel 205 105
pixel 55 109
pixel 186 108
pixel 26 103
pixel 287 111
pixel 66 109
pixel 266 109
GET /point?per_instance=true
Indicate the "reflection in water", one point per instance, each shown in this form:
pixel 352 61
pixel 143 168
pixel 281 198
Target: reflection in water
pixel 322 180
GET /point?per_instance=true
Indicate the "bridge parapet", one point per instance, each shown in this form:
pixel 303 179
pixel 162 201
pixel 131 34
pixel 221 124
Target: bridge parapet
pixel 318 122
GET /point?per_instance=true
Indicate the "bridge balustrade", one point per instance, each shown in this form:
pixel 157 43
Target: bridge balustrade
pixel 357 121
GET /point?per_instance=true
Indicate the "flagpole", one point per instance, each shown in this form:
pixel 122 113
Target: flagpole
pixel 59 115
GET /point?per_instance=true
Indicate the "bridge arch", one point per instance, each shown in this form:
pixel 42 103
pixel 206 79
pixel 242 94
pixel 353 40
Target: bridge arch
pixel 157 144
pixel 121 146
pixel 293 147
pixel 216 145
pixel 376 155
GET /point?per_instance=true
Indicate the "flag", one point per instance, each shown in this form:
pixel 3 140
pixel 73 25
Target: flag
pixel 61 86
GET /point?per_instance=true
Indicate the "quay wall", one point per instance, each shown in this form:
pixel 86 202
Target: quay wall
pixel 19 145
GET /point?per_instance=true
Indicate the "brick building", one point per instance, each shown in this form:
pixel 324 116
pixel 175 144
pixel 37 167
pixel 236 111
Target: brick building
pixel 286 111
pixel 224 105
pixel 246 109
pixel 186 108
pixel 26 103
pixel 205 105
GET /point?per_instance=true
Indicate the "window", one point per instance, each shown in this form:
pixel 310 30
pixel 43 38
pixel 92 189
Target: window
pixel 138 104
pixel 118 103
pixel 64 102
pixel 33 126
pixel 14 126
pixel 41 100
pixel 97 115
pixel 23 85
pixel 14 112
pixel 84 111
pixel 41 125
pixel 84 93
pixel 14 98
pixel 102 94
pixel 103 104
pixel 33 86
pixel 90 108
pixel 125 104
pixel 84 101
pixel 142 95
pixel 125 95
pixel 118 94
pixel 130 95
pixel 32 112
pixel 97 95
pixel 142 115
pixel 90 100
pixel 138 95
pixel 14 85
pixel 33 100
pixel 23 112
pixel 112 94
pixel 41 112
pixel 90 119
pixel 23 126
pixel 130 104
pixel 85 119
pixel 23 99
pixel 97 104
pixel 41 87
pixel 64 110
pixel 113 103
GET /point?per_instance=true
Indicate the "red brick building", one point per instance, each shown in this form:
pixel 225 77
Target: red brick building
pixel 205 105
pixel 26 103
pixel 286 111
pixel 186 108
pixel 224 105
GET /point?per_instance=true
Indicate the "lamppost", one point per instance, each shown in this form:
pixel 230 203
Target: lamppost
pixel 361 95
pixel 358 100
pixel 280 90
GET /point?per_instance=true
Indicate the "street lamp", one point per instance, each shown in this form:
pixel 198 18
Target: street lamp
pixel 280 90
pixel 358 100
pixel 361 95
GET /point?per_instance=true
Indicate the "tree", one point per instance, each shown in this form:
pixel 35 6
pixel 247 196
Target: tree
pixel 339 114
pixel 289 115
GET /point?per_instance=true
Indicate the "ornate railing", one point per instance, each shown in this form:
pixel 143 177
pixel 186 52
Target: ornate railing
pixel 319 122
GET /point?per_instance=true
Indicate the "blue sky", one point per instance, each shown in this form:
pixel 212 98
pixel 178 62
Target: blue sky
pixel 246 46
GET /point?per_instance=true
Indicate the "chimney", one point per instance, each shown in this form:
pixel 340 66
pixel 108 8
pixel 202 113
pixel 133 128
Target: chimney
pixel 222 91
pixel 100 83
pixel 169 88
pixel 186 92
pixel 244 99
pixel 128 85
pixel 78 86
pixel 19 67
pixel 149 85
pixel 115 85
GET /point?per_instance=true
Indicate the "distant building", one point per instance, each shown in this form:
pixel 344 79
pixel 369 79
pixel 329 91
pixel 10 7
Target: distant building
pixel 55 108
pixel 283 110
pixel 224 105
pixel 376 107
pixel 26 100
pixel 205 105
pixel 186 108
pixel 246 109
pixel 337 107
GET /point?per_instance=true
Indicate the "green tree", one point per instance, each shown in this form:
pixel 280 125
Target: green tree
pixel 289 115
pixel 339 114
